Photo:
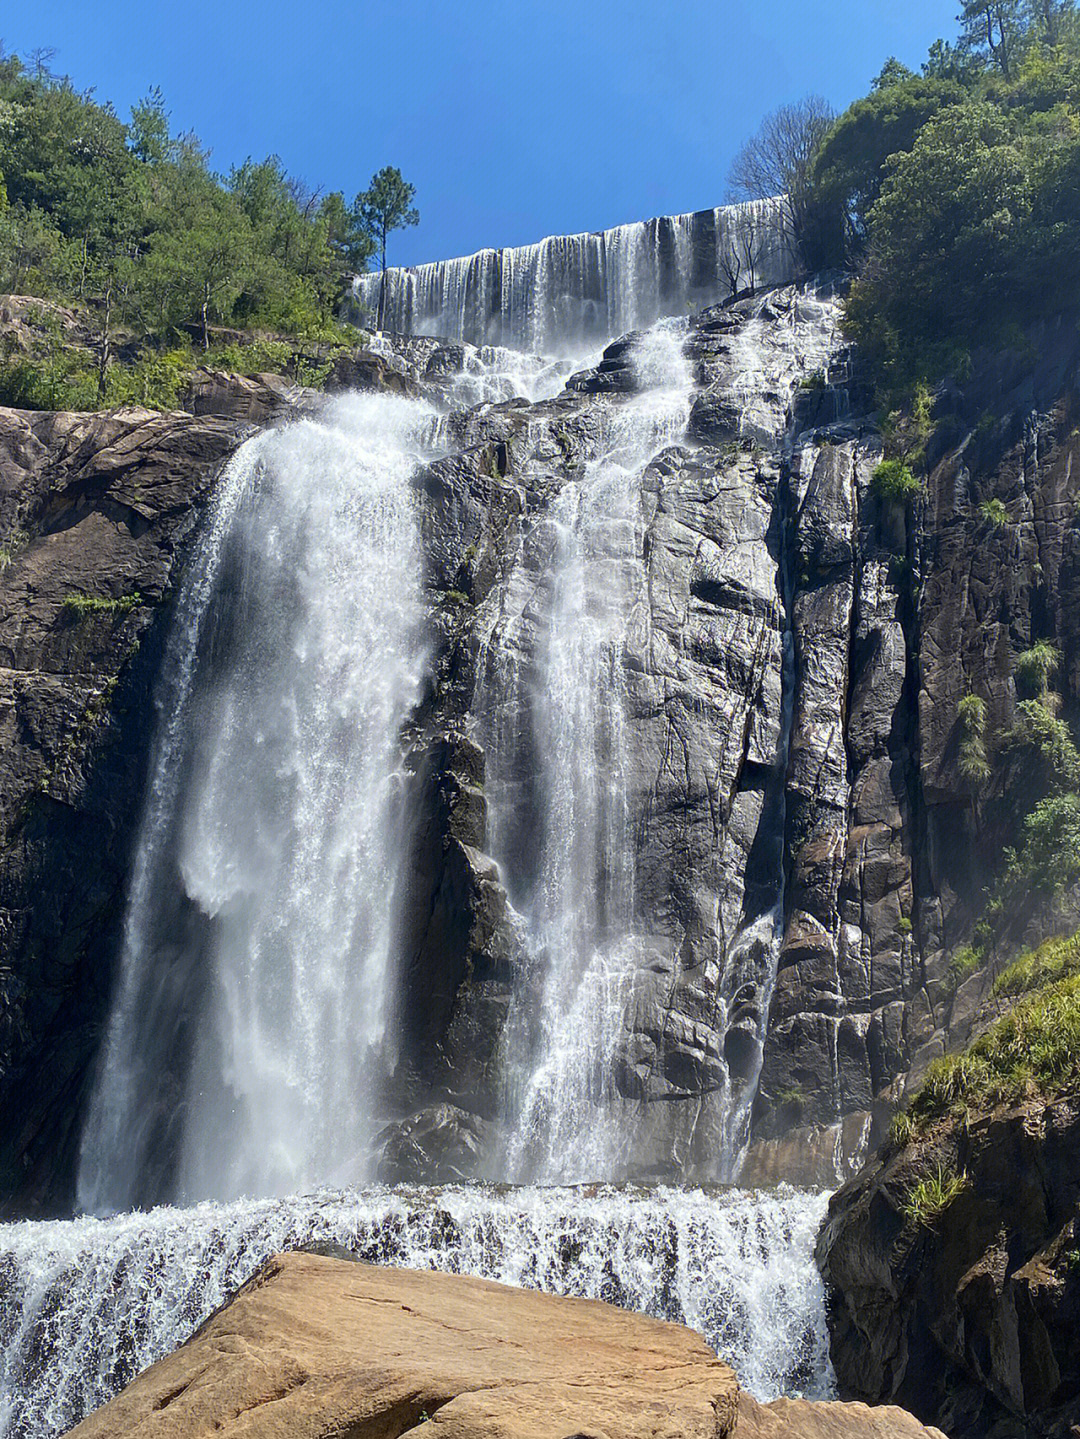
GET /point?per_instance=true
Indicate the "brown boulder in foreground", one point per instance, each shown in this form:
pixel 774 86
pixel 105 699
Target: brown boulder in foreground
pixel 804 1419
pixel 315 1348
pixel 318 1348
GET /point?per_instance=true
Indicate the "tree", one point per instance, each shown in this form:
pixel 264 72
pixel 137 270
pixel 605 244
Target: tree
pixel 951 226
pixel 995 25
pixel 849 166
pixel 779 160
pixel 196 272
pixel 385 206
pixel 740 259
pixel 344 233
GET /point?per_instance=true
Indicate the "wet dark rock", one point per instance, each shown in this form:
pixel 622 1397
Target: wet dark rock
pixel 97 506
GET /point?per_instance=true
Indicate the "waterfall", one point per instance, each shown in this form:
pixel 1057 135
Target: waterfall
pixel 571 293
pixel 254 1026
pixel 567 1121
pixel 89 1303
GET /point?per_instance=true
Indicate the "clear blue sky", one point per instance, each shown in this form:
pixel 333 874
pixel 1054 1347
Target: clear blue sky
pixel 514 119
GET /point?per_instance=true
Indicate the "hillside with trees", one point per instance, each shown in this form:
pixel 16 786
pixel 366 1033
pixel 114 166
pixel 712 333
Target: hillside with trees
pixel 152 262
pixel 953 195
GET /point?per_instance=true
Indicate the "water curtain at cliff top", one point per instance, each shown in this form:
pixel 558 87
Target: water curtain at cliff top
pixel 255 1022
pixel 572 293
pixel 90 1303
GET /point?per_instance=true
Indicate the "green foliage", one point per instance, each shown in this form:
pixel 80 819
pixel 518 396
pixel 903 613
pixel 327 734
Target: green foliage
pixel 1035 666
pixel 130 225
pixel 994 513
pixel 1034 1049
pixel 902 1129
pixel 956 193
pixel 58 380
pixel 78 605
pixel 1052 961
pixel 1048 860
pixel 904 925
pixel 964 963
pixel 16 541
pixel 973 763
pixel 1039 752
pixel 893 481
pixel 927 1200
pixel 386 205
pixel 791 1097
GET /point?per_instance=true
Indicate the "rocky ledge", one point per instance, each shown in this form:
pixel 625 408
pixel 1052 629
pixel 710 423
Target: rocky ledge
pixel 319 1346
pixel 953 1265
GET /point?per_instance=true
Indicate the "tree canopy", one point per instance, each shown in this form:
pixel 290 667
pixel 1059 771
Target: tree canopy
pixel 130 222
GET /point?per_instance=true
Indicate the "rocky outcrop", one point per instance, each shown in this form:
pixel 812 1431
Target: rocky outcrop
pixel 95 511
pixel 806 1419
pixel 967 1314
pixel 317 1346
pixel 314 1346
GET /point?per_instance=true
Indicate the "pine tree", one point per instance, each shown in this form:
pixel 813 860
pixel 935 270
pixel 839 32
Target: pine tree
pixel 385 206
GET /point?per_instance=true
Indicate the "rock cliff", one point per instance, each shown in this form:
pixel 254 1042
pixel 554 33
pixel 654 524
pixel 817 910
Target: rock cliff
pixel 969 1316
pixel 792 728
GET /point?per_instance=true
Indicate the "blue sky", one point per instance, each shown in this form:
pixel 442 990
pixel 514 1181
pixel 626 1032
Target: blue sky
pixel 514 119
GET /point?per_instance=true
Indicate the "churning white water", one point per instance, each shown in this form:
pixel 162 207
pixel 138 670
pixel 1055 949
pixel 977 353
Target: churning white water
pixel 261 924
pixel 89 1303
pixel 572 293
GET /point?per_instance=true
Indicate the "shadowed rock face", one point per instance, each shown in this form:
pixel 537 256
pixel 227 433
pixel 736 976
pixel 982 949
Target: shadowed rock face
pixel 973 1320
pixel 94 507
pixel 779 591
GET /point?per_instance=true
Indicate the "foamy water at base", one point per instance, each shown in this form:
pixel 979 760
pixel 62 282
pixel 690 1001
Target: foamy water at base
pixel 89 1303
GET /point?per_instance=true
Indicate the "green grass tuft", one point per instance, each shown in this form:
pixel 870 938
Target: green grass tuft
pixel 929 1199
pixel 892 480
pixel 79 605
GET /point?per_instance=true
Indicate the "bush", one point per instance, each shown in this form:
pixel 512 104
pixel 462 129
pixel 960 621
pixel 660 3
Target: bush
pixel 964 963
pixel 1035 1049
pixel 973 762
pixel 64 381
pixel 1052 961
pixel 893 481
pixel 1035 666
pixel 1048 860
pixel 78 605
pixel 994 513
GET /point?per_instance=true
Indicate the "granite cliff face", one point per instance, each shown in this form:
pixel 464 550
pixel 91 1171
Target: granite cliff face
pixel 797 650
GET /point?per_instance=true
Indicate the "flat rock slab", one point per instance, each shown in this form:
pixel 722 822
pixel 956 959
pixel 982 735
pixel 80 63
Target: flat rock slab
pixel 317 1348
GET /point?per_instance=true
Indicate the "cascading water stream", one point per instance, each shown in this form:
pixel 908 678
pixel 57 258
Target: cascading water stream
pixel 89 1303
pixel 262 913
pixel 566 1121
pixel 252 1042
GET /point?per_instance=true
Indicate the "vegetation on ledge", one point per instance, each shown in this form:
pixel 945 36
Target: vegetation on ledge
pixel 143 255
pixel 1033 1050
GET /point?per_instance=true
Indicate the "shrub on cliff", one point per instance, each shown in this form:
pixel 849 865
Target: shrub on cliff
pixel 1034 1049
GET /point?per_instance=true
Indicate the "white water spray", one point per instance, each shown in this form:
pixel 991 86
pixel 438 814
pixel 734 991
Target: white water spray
pixel 90 1303
pixel 572 293
pixel 567 687
pixel 258 955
